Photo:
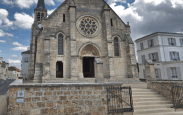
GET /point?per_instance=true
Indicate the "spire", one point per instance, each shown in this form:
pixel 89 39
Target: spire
pixel 40 5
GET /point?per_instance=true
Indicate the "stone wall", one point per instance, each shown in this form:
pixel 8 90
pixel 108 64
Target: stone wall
pixel 60 99
pixel 165 87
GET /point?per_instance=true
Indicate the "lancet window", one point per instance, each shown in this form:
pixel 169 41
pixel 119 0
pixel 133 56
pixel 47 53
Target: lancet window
pixel 60 44
pixel 116 46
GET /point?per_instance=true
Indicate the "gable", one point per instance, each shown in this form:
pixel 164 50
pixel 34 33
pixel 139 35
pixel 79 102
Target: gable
pixel 90 9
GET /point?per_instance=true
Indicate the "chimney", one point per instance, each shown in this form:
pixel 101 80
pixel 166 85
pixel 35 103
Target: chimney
pixel 1 59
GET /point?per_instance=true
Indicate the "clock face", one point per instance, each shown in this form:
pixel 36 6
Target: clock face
pixel 40 25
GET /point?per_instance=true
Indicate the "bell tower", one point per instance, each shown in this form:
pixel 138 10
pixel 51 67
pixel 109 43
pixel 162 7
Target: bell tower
pixel 40 11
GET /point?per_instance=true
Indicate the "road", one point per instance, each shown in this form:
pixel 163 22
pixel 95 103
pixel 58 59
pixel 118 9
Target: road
pixel 4 87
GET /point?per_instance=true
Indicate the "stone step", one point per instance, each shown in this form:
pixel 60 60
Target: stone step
pixel 149 99
pixel 142 90
pixel 139 107
pixel 157 110
pixel 152 102
pixel 164 113
pixel 146 96
pixel 144 93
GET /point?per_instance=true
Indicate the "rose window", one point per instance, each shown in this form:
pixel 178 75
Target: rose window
pixel 88 26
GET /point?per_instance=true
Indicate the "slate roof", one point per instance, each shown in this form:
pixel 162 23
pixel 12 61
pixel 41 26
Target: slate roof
pixel 40 5
pixel 157 33
pixel 3 64
pixel 12 68
pixel 26 52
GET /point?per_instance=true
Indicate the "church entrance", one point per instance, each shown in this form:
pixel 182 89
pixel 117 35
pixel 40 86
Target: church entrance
pixel 59 69
pixel 88 67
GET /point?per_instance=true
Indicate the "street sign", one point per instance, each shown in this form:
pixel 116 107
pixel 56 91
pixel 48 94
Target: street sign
pixel 20 100
pixel 20 93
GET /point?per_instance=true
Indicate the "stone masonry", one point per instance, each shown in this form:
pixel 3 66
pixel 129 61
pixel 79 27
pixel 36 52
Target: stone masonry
pixel 60 99
pixel 66 20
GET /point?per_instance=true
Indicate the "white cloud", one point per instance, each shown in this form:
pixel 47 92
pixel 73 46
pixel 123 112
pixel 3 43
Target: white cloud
pixel 149 16
pixel 10 61
pixel 8 1
pixel 16 44
pixel 2 34
pixel 4 21
pixel 19 47
pixel 50 11
pixel 14 56
pixel 25 3
pixel 49 2
pixel 0 52
pixel 114 1
pixel 2 41
pixel 23 20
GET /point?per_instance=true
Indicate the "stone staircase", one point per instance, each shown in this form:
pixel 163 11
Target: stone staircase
pixel 148 102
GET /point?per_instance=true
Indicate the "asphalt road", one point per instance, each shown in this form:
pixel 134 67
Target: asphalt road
pixel 4 87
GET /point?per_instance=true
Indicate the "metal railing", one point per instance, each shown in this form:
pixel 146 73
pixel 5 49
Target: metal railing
pixel 119 99
pixel 171 90
pixel 177 96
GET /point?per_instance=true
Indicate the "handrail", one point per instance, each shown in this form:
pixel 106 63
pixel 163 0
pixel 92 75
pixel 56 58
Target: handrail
pixel 118 97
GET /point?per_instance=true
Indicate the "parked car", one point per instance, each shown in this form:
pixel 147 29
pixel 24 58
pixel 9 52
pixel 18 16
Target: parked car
pixel 8 78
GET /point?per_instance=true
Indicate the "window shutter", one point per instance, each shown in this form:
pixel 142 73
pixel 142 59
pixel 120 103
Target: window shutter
pixel 174 40
pixel 171 56
pixel 180 41
pixel 178 58
pixel 148 44
pixel 144 73
pixel 169 42
pixel 159 73
pixel 143 59
pixel 152 42
pixel 168 73
pixel 157 58
pixel 179 73
pixel 149 56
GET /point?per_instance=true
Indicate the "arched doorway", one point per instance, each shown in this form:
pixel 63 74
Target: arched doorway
pixel 59 69
pixel 88 55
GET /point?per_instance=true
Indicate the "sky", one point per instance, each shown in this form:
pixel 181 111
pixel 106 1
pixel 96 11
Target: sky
pixel 145 17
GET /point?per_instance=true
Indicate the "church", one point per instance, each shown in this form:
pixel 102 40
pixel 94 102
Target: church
pixel 81 40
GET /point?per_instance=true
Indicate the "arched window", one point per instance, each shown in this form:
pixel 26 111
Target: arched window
pixel 60 44
pixel 116 47
pixel 42 15
pixel 38 16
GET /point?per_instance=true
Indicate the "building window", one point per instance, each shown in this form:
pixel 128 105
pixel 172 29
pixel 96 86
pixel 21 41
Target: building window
pixel 174 56
pixel 172 41
pixel 63 17
pixel 60 44
pixel 144 72
pixel 38 16
pixel 173 72
pixel 142 46
pixel 181 41
pixel 150 43
pixel 154 57
pixel 111 22
pixel 116 47
pixel 143 59
pixel 42 15
pixel 26 60
pixel 158 73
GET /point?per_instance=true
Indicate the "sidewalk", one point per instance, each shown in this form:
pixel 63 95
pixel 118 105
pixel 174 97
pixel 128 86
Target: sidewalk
pixel 3 102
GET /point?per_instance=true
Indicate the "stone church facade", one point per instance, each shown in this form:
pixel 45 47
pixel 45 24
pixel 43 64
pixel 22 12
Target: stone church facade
pixel 81 39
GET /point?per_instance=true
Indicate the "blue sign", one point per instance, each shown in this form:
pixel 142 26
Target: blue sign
pixel 20 100
pixel 21 93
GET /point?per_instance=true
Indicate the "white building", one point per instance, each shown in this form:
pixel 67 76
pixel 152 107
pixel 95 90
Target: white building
pixel 165 50
pixel 25 63
pixel 3 69
pixel 13 72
